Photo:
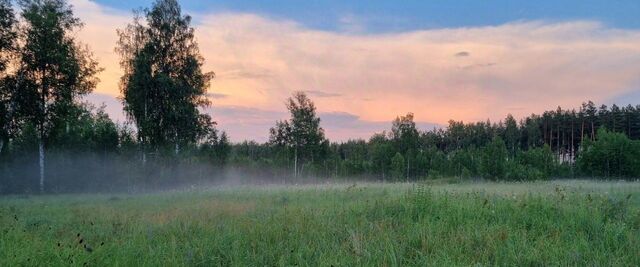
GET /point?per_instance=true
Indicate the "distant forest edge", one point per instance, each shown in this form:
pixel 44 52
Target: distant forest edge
pixel 52 142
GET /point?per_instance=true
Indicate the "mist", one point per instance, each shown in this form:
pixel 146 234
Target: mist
pixel 90 172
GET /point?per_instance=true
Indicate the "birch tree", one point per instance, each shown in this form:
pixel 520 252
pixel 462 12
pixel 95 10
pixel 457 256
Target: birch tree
pixel 301 133
pixel 53 69
pixel 163 86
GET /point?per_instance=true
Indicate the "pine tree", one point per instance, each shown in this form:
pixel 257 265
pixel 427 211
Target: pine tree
pixel 617 119
pixel 590 111
pixel 511 135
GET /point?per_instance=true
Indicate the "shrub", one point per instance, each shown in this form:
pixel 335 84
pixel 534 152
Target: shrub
pixel 611 155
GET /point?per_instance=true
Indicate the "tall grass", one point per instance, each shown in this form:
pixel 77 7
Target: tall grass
pixel 522 224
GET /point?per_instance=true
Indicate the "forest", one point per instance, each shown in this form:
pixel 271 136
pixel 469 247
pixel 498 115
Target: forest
pixel 51 140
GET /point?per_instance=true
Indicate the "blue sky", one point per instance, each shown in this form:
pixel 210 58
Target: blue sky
pixel 393 16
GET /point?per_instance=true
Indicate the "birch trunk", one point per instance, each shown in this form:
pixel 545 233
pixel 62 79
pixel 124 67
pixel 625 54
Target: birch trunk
pixel 295 163
pixel 177 145
pixel 41 161
pixel 407 168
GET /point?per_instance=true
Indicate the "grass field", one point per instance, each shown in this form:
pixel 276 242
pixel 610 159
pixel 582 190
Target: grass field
pixel 519 224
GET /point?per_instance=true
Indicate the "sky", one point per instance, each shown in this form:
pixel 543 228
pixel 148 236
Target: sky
pixel 364 63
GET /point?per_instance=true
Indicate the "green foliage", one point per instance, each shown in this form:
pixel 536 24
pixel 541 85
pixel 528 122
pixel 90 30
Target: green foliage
pixel 53 69
pixel 26 140
pixel 511 135
pixel 494 159
pixel 404 133
pixel 83 129
pixel 537 163
pixel 216 148
pixel 519 172
pixel 164 86
pixel 465 162
pixel 611 155
pixel 465 173
pixel 380 151
pixel 8 34
pixel 398 167
pixel 302 133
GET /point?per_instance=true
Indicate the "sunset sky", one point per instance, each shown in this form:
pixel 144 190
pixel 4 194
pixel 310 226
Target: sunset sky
pixel 364 64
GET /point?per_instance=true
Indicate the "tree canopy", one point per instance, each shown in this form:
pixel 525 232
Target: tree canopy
pixel 8 36
pixel 53 68
pixel 164 86
pixel 302 132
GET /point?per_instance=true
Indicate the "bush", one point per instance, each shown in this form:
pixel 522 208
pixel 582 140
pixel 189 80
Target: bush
pixel 611 155
pixel 465 173
pixel 541 159
pixel 519 172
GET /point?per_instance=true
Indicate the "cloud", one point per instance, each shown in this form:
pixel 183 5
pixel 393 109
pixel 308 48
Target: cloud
pixel 343 126
pixel 99 33
pixel 244 74
pixel 351 23
pixel 260 61
pixel 317 93
pixel 479 65
pixel 540 64
pixel 216 95
pixel 462 54
pixel 246 123
pixel 630 98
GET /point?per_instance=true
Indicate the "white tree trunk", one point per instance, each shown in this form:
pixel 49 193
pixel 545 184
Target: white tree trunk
pixel 177 146
pixel 295 163
pixel 407 167
pixel 41 154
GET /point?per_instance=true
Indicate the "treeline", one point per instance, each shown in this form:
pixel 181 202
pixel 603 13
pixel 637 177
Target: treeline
pixel 52 141
pixel 590 142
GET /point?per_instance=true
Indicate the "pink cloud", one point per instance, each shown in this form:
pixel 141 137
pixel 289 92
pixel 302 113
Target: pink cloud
pixel 533 66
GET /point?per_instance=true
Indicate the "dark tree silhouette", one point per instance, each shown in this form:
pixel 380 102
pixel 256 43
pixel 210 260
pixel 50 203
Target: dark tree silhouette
pixel 301 133
pixel 53 69
pixel 164 86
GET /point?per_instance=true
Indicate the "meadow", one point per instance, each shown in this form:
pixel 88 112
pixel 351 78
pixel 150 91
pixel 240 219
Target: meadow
pixel 448 223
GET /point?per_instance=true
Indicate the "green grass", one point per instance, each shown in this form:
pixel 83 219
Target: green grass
pixel 519 224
